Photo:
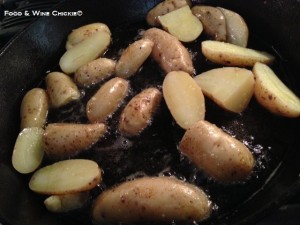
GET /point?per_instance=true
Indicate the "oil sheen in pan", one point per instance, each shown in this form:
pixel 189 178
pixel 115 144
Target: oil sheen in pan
pixel 155 151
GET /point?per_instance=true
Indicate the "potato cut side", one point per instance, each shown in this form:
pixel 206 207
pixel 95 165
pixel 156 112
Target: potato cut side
pixel 233 55
pixel 66 203
pixel 184 98
pixel 273 94
pixel 182 24
pixel 230 87
pixel 237 29
pixel 66 177
pixel 213 21
pixel 84 52
pixel 29 150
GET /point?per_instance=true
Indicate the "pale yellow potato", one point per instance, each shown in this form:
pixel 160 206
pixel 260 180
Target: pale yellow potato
pixel 107 100
pixel 81 33
pixel 133 58
pixel 169 52
pixel 66 177
pixel 182 24
pixel 94 72
pixel 184 98
pixel 67 202
pixel 34 108
pixel 237 29
pixel 87 50
pixel 151 199
pixel 138 113
pixel 63 140
pixel 213 21
pixel 164 8
pixel 230 87
pixel 61 89
pixel 217 153
pixel 273 94
pixel 233 55
pixel 28 151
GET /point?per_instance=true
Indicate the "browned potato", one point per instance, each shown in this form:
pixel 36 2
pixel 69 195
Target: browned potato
pixel 233 55
pixel 133 58
pixel 164 8
pixel 230 87
pixel 217 153
pixel 94 72
pixel 151 199
pixel 79 34
pixel 34 108
pixel 237 29
pixel 66 177
pixel 273 94
pixel 63 140
pixel 213 21
pixel 138 113
pixel 61 89
pixel 169 52
pixel 107 100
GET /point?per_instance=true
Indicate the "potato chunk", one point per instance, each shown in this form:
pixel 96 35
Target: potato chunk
pixel 64 140
pixel 151 199
pixel 184 98
pixel 29 150
pixel 182 24
pixel 273 94
pixel 217 153
pixel 233 55
pixel 66 177
pixel 230 87
pixel 213 21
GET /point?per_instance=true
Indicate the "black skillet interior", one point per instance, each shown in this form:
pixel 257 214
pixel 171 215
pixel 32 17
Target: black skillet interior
pixel 274 27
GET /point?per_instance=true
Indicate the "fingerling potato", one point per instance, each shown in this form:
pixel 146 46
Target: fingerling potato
pixel 184 98
pixel 67 202
pixel 151 199
pixel 66 177
pixel 63 140
pixel 133 58
pixel 79 34
pixel 94 72
pixel 107 100
pixel 169 52
pixel 273 94
pixel 233 55
pixel 138 113
pixel 164 8
pixel 34 108
pixel 218 154
pixel 61 89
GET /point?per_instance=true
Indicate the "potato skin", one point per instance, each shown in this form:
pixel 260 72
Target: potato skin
pixel 138 113
pixel 133 58
pixel 94 72
pixel 34 108
pixel 169 52
pixel 217 153
pixel 63 140
pixel 107 99
pixel 162 9
pixel 151 199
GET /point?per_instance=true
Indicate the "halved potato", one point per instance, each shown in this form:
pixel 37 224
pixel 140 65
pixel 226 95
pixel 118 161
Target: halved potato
pixel 213 21
pixel 182 24
pixel 66 177
pixel 233 55
pixel 230 87
pixel 273 94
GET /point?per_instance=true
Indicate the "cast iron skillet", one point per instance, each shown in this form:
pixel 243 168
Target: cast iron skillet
pixel 274 27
